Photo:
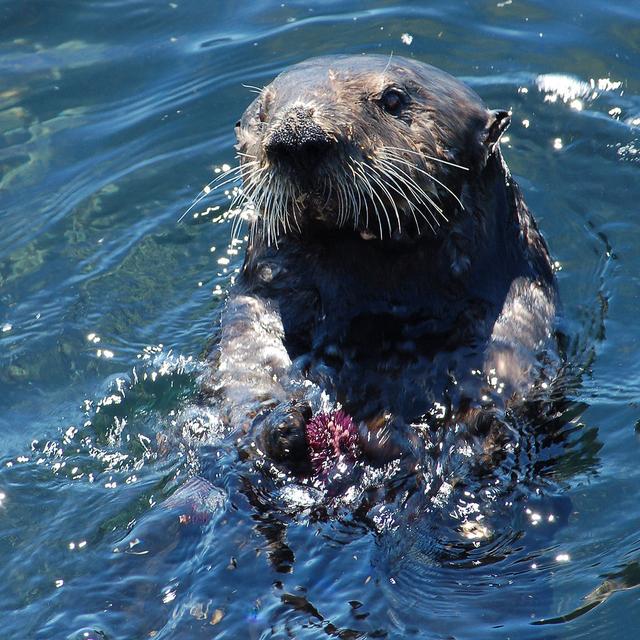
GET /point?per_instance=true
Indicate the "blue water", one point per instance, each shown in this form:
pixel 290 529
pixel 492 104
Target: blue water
pixel 113 115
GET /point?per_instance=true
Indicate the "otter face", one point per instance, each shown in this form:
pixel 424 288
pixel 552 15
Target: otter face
pixel 382 146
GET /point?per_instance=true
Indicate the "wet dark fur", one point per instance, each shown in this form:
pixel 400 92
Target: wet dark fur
pixel 394 321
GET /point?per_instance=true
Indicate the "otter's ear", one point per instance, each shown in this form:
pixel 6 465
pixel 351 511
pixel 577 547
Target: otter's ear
pixel 497 124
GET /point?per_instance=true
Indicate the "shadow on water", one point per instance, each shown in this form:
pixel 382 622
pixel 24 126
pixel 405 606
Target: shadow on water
pixel 628 577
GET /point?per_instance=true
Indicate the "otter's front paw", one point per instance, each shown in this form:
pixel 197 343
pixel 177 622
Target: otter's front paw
pixel 386 438
pixel 281 434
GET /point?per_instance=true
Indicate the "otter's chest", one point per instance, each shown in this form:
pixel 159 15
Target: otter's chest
pixel 389 337
pixel 400 362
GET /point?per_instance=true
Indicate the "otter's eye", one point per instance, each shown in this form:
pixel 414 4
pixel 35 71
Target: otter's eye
pixel 392 101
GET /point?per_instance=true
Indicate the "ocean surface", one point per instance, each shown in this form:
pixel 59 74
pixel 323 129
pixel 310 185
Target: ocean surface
pixel 113 116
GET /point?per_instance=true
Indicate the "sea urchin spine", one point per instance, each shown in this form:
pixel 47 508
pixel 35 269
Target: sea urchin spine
pixel 332 438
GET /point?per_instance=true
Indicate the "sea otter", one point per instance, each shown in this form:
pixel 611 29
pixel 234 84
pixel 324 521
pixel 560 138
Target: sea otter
pixel 392 262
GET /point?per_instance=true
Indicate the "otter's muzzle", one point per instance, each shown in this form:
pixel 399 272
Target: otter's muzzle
pixel 297 140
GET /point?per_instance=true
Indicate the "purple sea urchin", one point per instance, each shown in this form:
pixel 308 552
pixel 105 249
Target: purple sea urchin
pixel 332 437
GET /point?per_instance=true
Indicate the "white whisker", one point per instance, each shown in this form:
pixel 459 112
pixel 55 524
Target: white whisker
pixel 229 176
pixel 415 185
pixel 417 193
pixel 377 179
pixel 426 173
pixel 360 170
pixel 424 155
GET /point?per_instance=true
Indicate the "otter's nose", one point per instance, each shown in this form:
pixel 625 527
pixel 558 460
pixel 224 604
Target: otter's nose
pixel 298 139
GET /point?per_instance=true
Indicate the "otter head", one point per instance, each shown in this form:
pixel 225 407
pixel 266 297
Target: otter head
pixel 377 145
